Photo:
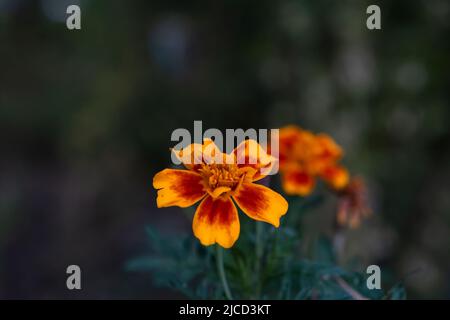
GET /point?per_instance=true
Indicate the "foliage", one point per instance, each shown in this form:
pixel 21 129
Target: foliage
pixel 279 269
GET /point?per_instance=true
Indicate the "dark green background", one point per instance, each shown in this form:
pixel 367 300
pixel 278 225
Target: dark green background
pixel 86 118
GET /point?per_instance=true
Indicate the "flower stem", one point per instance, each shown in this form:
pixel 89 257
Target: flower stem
pixel 221 270
pixel 347 288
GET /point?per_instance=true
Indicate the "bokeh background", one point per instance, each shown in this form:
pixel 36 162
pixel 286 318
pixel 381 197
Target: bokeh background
pixel 86 118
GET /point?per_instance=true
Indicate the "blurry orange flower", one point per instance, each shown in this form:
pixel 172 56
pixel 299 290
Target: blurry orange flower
pixel 217 179
pixel 353 204
pixel 305 156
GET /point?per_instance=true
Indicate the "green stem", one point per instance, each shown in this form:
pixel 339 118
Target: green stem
pixel 221 270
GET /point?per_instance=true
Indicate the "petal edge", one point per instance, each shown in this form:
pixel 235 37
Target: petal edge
pixel 261 203
pixel 181 188
pixel 216 221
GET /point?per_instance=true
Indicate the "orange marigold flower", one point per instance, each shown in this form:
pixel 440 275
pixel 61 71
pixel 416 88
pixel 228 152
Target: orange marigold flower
pixel 305 156
pixel 218 179
pixel 353 204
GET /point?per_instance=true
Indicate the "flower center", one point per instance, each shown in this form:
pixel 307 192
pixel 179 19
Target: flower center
pixel 222 179
pixel 221 175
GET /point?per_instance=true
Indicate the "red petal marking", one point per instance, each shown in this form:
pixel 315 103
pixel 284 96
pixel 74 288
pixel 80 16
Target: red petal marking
pixel 216 221
pixel 216 211
pixel 178 188
pixel 189 185
pixel 299 177
pixel 261 203
pixel 251 198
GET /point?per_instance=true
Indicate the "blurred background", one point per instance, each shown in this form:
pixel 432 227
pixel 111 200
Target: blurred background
pixel 86 118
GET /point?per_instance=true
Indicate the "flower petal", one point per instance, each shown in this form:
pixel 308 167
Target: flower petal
pixel 330 150
pixel 190 155
pixel 195 154
pixel 216 220
pixel 297 181
pixel 289 140
pixel 217 192
pixel 250 153
pixel 336 176
pixel 180 188
pixel 261 203
pixel 297 144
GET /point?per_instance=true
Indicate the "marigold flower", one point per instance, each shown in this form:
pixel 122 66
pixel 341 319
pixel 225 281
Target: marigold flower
pixel 305 156
pixel 353 204
pixel 219 180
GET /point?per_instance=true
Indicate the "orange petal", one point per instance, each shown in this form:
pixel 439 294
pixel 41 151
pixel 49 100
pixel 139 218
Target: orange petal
pixel 180 188
pixel 196 154
pixel 250 153
pixel 190 155
pixel 261 203
pixel 297 144
pixel 296 181
pixel 336 176
pixel 330 150
pixel 216 220
pixel 289 131
pixel 217 192
pixel 290 137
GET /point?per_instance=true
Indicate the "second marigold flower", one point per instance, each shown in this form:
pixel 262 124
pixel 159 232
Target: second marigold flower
pixel 305 156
